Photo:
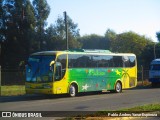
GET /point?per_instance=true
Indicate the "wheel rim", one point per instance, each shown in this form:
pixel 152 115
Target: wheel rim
pixel 118 87
pixel 72 91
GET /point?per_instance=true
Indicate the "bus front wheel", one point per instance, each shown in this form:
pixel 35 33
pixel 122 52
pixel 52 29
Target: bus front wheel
pixel 118 87
pixel 72 91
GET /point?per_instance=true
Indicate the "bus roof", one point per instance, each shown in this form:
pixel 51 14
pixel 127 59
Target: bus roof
pixel 90 50
pixel 46 53
pixel 81 51
pixel 156 61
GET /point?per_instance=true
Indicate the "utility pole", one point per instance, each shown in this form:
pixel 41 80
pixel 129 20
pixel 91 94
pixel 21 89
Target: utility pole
pixel 66 28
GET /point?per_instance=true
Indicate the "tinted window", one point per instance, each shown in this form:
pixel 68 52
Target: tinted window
pixel 92 61
pixel 60 67
pixel 132 61
pixel 79 61
pixel 128 61
pixel 62 60
pixel 117 60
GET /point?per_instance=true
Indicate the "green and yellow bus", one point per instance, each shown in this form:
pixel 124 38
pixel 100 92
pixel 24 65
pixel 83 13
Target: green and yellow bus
pixel 72 72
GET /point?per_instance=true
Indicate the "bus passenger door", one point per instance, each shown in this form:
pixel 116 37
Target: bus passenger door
pixel 60 81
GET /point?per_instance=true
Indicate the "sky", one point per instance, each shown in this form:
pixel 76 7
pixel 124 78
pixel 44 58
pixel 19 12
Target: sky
pixel 96 16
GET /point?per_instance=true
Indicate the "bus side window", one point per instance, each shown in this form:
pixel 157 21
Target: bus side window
pixel 125 61
pixel 117 61
pixel 132 61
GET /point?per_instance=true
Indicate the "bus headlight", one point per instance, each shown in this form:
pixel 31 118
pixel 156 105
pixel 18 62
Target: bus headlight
pixel 47 86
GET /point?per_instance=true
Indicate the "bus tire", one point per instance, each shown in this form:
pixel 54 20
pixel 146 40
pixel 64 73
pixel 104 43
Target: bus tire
pixel 118 87
pixel 73 90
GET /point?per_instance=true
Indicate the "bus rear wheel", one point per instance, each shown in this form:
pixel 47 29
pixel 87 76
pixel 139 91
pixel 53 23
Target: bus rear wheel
pixel 118 87
pixel 72 91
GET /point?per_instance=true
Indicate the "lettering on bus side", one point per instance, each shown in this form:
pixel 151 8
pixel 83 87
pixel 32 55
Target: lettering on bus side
pixel 96 73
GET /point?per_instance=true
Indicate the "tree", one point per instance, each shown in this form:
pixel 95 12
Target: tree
pixel 94 41
pixel 16 23
pixel 150 52
pixel 130 42
pixel 5 17
pixel 147 55
pixel 157 50
pixel 55 35
pixel 158 36
pixel 110 35
pixel 51 39
pixel 41 11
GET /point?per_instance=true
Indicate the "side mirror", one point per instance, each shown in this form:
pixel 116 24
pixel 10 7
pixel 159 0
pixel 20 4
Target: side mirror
pixel 52 65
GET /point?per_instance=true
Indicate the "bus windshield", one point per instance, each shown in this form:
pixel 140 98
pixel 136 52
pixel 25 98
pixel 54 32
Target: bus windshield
pixel 38 68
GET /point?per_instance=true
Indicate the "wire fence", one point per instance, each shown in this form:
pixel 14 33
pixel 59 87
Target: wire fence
pixel 12 77
pixel 143 75
pixel 17 76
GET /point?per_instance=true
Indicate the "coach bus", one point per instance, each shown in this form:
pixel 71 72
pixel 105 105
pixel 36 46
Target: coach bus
pixel 73 72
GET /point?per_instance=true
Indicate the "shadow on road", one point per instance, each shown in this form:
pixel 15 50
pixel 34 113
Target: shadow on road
pixel 43 97
pixel 146 87
pixel 29 97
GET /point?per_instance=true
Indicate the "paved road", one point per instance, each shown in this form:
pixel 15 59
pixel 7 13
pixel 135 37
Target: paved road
pixel 87 102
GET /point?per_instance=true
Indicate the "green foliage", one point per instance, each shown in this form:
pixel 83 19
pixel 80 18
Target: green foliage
pixel 130 42
pixel 41 11
pixel 56 35
pixel 22 31
pixel 148 107
pixel 17 23
pixel 94 41
pixel 157 50
pixel 12 90
pixel 110 34
pixel 147 55
pixel 158 36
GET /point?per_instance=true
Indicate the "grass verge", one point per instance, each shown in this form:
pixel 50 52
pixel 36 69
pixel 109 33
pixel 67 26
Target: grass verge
pixel 12 90
pixel 104 115
pixel 149 107
pixel 145 108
